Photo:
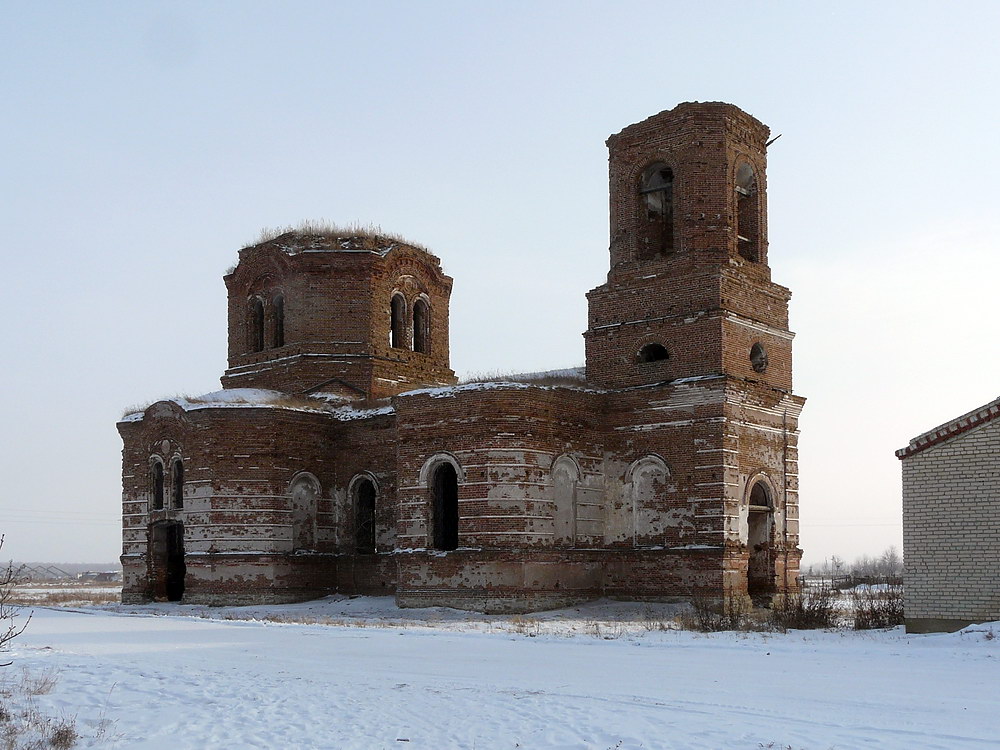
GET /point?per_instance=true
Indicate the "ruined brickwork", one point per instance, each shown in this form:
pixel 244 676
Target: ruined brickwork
pixel 342 457
pixel 951 523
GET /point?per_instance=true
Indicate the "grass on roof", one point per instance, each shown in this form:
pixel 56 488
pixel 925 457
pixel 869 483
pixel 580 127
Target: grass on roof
pixel 371 233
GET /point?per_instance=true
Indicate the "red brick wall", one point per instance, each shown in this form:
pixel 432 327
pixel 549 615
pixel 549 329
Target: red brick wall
pixel 635 484
pixel 336 301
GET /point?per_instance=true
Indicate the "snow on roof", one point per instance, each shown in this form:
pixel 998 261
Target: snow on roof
pixel 545 380
pixel 259 398
pixel 948 430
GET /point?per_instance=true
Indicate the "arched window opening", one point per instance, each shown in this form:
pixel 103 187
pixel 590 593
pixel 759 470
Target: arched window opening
pixel 760 498
pixel 279 321
pixel 364 517
pixel 421 327
pixel 257 326
pixel 444 486
pixel 397 324
pixel 653 353
pixel 656 215
pixel 157 482
pixel 177 483
pixel 747 229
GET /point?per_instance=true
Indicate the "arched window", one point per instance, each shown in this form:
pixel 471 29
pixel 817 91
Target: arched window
pixel 304 492
pixel 565 477
pixel 364 516
pixel 157 484
pixel 397 322
pixel 257 325
pixel 747 229
pixel 656 212
pixel 646 488
pixel 177 483
pixel 279 321
pixel 421 327
pixel 653 353
pixel 444 513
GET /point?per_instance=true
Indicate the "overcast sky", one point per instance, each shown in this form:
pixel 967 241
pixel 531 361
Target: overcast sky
pixel 144 143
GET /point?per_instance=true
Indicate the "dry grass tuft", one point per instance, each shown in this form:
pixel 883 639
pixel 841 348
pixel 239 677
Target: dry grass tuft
pixel 23 726
pixel 38 683
pixel 57 598
pixel 63 734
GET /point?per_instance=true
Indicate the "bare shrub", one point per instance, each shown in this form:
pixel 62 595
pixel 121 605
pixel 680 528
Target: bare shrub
pixel 10 627
pixel 713 614
pixel 877 606
pixel 808 610
pixel 651 621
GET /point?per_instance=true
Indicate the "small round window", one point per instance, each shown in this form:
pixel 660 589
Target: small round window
pixel 653 353
pixel 758 358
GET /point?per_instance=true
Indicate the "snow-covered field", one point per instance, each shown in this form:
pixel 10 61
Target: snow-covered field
pixel 601 676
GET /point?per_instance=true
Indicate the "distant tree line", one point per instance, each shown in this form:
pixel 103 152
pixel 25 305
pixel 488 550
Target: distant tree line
pixel 888 565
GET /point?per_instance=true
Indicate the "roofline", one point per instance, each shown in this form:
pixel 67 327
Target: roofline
pixel 948 430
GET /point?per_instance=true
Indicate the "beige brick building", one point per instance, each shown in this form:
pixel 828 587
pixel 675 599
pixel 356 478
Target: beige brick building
pixel 951 523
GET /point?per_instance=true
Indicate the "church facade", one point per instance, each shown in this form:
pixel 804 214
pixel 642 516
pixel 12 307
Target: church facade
pixel 342 457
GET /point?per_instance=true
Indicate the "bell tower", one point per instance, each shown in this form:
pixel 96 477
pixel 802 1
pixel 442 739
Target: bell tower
pixel 689 291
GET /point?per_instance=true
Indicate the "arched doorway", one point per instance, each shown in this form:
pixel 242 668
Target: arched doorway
pixel 760 530
pixel 444 513
pixel 166 558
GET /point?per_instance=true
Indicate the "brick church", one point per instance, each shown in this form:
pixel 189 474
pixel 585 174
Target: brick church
pixel 341 457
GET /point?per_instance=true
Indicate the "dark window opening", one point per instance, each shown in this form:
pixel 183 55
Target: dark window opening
pixel 177 483
pixel 760 498
pixel 421 327
pixel 445 509
pixel 364 517
pixel 656 213
pixel 397 315
pixel 257 326
pixel 747 215
pixel 157 485
pixel 279 321
pixel 653 353
pixel 758 358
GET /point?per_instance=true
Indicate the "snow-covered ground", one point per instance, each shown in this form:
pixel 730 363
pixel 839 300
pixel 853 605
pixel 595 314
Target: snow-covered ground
pixel 601 676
